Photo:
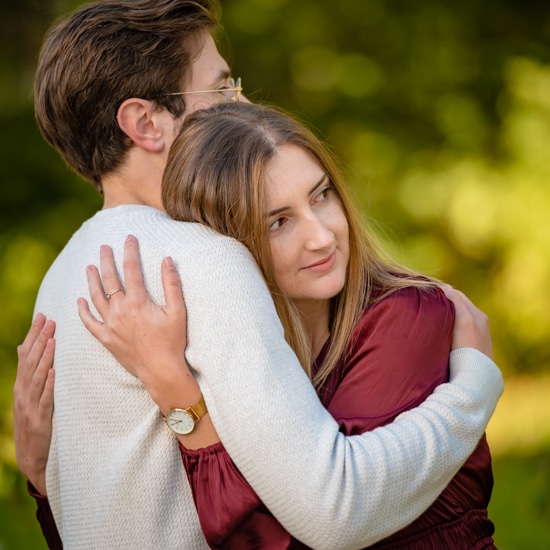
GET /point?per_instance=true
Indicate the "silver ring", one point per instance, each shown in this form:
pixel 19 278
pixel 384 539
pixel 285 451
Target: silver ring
pixel 111 292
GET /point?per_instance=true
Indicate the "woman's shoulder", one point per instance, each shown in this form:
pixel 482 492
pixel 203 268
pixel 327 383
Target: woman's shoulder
pixel 409 307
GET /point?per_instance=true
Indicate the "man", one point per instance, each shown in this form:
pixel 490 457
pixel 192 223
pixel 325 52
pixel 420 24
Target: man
pixel 114 83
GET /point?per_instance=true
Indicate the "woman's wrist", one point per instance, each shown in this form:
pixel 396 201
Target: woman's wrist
pixel 37 480
pixel 171 384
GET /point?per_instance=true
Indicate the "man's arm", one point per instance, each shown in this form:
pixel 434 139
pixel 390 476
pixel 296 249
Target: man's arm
pixel 327 490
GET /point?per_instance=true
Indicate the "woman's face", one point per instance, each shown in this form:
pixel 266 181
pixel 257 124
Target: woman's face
pixel 308 230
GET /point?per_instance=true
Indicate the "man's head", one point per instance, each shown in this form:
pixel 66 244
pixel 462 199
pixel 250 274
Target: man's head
pixel 102 55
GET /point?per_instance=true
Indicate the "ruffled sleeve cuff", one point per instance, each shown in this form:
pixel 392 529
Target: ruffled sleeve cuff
pixel 45 519
pixel 230 513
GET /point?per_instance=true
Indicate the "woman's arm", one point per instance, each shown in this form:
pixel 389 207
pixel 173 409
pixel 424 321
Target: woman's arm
pixel 326 489
pixel 32 418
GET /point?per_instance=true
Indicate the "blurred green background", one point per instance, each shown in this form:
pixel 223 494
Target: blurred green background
pixel 440 112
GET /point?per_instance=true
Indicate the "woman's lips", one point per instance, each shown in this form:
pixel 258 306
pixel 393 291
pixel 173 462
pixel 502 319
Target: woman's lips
pixel 323 265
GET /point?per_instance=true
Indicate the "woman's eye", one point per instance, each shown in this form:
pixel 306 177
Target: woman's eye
pixel 276 224
pixel 322 195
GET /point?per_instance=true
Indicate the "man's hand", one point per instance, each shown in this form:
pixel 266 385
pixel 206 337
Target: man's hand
pixel 471 328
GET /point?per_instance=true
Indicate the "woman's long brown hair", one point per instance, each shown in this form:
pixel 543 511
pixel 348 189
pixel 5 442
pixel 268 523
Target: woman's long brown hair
pixel 215 176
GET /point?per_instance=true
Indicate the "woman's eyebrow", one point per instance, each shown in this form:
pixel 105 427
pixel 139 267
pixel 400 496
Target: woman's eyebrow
pixel 311 191
pixel 318 184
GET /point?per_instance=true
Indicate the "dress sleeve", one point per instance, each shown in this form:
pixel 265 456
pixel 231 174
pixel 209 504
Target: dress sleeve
pixel 45 519
pixel 400 354
pixel 328 490
pixel 231 515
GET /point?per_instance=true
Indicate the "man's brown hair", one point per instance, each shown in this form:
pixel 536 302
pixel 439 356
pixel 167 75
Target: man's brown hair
pixel 105 53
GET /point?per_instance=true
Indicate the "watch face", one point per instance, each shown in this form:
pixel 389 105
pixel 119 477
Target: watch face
pixel 180 421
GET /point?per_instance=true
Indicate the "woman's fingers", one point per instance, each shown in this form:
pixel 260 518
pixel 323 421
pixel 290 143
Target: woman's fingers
pixel 43 363
pixel 33 401
pixel 45 406
pixel 38 323
pixel 35 358
pixel 96 289
pixel 31 351
pixel 105 286
pixel 171 285
pixel 133 275
pixel 109 277
pixel 88 320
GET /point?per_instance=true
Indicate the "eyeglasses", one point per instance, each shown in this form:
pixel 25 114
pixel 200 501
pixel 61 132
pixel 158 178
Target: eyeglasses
pixel 231 93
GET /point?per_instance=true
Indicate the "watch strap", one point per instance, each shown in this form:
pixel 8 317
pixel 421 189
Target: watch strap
pixel 198 410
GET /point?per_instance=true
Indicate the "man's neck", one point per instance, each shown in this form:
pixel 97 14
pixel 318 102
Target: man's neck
pixel 118 191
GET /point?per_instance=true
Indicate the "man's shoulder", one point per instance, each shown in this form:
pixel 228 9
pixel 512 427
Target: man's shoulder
pixel 155 230
pixel 197 250
pixel 158 234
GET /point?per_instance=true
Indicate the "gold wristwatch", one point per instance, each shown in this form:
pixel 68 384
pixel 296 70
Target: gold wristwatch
pixel 183 421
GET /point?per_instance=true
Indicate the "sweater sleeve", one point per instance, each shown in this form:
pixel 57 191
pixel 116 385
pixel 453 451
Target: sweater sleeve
pixel 326 489
pixel 400 354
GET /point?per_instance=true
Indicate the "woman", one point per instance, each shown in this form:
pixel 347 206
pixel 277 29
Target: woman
pixel 374 337
pixel 256 175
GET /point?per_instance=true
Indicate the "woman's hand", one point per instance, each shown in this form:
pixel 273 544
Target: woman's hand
pixel 33 401
pixel 146 338
pixel 471 328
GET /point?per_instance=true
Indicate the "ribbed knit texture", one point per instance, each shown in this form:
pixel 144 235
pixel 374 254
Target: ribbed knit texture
pixel 115 478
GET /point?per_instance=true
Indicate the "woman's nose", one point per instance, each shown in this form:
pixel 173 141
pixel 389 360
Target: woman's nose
pixel 317 234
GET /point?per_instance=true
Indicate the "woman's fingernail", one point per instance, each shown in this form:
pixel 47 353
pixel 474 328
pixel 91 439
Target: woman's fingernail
pixel 168 262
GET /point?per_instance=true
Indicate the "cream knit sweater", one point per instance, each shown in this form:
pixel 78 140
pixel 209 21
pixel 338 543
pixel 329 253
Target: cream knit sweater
pixel 115 478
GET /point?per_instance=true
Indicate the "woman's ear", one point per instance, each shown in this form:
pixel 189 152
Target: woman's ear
pixel 143 123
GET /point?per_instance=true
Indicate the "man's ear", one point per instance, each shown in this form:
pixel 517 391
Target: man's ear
pixel 143 123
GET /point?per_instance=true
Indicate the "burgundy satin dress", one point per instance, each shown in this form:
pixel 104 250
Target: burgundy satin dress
pixel 397 356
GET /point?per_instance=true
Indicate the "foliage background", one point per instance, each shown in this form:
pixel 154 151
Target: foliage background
pixel 440 112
